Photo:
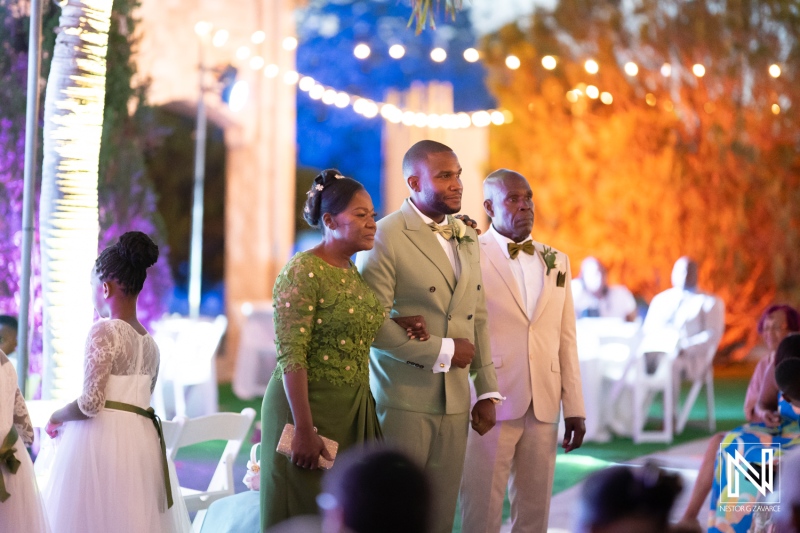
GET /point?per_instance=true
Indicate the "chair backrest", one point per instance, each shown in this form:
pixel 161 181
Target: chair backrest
pixel 188 346
pixel 232 427
pixel 172 431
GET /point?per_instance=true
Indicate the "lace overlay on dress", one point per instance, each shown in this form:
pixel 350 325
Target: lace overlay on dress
pixel 112 348
pixel 22 420
pixel 325 320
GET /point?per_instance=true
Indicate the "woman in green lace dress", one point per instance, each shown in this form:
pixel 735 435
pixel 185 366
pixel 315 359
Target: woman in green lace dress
pixel 326 317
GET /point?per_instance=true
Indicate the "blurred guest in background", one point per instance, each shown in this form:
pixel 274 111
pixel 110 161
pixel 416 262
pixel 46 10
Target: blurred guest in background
pixel 8 336
pixel 371 490
pixel 622 499
pixel 788 519
pixel 776 322
pixel 594 297
pixel 685 319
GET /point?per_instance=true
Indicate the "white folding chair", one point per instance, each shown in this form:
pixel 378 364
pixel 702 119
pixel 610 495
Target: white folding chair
pixel 699 370
pixel 187 349
pixel 232 427
pixel 172 430
pixel 678 358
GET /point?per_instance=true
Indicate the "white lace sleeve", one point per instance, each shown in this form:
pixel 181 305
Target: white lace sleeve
pixel 22 420
pixel 100 349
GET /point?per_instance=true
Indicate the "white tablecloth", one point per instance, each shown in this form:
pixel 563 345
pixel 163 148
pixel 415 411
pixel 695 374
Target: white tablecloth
pixel 604 345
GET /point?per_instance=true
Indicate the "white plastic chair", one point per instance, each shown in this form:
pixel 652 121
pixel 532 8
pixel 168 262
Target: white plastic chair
pixel 675 361
pixel 172 430
pixel 187 358
pixel 232 427
pixel 702 372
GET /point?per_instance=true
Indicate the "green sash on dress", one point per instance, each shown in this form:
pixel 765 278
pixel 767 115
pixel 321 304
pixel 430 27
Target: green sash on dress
pixel 8 460
pixel 149 413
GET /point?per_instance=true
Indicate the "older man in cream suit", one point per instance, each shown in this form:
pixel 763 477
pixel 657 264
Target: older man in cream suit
pixel 532 336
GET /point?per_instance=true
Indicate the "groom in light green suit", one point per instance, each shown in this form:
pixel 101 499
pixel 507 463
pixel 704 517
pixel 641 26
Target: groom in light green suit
pixel 425 262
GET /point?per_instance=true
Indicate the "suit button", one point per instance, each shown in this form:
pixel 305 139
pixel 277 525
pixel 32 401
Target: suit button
pixel 479 287
pixel 441 365
pixel 449 317
pixel 469 317
pixel 432 289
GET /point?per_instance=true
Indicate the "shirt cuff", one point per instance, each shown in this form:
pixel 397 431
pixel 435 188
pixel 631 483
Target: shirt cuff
pixel 493 396
pixel 446 353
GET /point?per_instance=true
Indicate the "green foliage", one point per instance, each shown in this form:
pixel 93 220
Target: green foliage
pixel 423 11
pixel 675 165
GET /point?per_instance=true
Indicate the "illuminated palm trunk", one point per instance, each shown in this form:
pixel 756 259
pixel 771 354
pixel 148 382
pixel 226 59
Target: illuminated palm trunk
pixel 73 125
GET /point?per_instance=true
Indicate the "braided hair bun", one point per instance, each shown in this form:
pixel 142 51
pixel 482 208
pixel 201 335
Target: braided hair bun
pixel 127 261
pixel 138 249
pixel 330 193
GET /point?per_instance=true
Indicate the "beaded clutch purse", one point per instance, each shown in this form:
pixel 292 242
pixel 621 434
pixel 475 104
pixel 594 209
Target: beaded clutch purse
pixel 285 446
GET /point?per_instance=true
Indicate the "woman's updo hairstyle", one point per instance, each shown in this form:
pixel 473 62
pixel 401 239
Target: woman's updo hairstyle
pixel 330 193
pixel 127 261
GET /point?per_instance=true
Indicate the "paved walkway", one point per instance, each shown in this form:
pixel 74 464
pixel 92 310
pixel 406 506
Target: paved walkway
pixel 684 459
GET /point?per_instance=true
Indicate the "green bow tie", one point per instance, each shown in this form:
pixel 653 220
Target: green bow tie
pixel 8 460
pixel 448 231
pixel 514 248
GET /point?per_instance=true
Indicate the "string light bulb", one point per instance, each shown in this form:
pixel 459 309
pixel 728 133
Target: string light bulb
pixel 258 37
pixel 606 98
pixel 289 43
pixel 291 77
pixel 698 70
pixel 666 70
pixel 256 62
pixel 471 55
pixel 202 28
pixel 242 52
pixel 592 92
pixel 438 55
pixel 361 51
pixel 396 51
pixel 342 100
pixel 591 66
pixel 549 62
pixel 631 68
pixel 220 38
pixel 513 62
pixel 271 70
pixel 774 71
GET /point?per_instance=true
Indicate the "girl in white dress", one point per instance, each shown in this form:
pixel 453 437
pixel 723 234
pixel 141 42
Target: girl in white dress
pixel 21 507
pixel 109 472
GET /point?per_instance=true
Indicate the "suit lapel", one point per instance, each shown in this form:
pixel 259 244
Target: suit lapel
pixel 498 259
pixel 463 282
pixel 547 285
pixel 423 238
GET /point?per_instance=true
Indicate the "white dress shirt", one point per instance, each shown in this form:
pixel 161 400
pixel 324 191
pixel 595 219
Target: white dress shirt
pixel 448 349
pixel 528 270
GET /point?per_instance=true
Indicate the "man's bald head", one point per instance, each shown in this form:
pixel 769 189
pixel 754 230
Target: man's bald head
pixel 495 181
pixel 418 154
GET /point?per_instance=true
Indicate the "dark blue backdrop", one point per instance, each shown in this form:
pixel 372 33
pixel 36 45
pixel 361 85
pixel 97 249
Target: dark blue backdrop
pixel 331 137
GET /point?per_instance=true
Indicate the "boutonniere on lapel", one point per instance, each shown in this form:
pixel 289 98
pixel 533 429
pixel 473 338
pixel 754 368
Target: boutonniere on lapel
pixel 551 262
pixel 460 230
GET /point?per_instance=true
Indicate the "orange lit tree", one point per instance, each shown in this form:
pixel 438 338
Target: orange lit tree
pixel 676 163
